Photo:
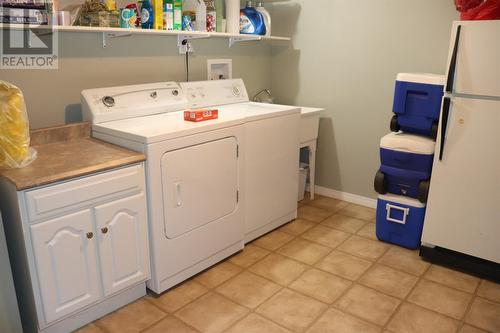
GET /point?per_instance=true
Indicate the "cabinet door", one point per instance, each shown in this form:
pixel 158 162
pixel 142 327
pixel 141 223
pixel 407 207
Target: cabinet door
pixel 65 258
pixel 123 243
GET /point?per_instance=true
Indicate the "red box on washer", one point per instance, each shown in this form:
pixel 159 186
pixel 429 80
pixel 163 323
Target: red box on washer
pixel 201 115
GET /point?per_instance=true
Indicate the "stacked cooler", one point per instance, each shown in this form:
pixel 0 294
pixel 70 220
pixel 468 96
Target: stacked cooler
pixel 406 157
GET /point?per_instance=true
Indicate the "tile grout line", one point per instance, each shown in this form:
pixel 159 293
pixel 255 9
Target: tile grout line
pixel 352 283
pixel 308 267
pixel 355 283
pixel 469 306
pixel 405 299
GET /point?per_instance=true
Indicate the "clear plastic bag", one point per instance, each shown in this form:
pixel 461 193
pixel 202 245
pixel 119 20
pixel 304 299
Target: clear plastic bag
pixel 15 151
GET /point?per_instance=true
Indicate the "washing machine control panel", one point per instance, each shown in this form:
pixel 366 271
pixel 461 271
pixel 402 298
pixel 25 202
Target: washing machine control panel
pixel 117 103
pixel 211 93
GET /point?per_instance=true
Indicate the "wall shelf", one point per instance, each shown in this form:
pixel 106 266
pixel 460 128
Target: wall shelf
pixel 116 32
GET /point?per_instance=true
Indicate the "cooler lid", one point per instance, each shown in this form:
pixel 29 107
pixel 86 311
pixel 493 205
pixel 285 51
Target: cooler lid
pixel 425 78
pixel 402 200
pixel 408 143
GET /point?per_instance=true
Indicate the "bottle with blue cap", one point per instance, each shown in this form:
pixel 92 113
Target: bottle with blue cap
pixel 251 21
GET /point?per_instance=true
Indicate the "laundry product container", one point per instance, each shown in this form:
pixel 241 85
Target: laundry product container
pixel 303 169
pixel 406 165
pixel 417 103
pixel 400 220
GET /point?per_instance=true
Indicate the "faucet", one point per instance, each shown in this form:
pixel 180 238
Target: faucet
pixel 269 98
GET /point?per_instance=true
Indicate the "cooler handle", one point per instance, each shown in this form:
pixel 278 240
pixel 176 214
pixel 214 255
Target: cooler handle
pixel 405 211
pixel 450 82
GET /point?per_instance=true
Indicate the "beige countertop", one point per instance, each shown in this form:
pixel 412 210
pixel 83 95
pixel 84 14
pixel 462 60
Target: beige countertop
pixel 66 152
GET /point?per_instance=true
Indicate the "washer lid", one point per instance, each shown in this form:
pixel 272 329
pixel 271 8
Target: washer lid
pixel 408 143
pixel 164 126
pixel 425 78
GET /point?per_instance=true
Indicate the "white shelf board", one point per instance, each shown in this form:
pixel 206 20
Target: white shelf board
pixel 153 32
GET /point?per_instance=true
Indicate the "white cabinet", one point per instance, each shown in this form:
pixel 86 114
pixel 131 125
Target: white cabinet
pixel 66 262
pixel 85 246
pixel 123 243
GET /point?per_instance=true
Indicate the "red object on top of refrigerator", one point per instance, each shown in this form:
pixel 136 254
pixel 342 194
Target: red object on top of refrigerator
pixel 478 9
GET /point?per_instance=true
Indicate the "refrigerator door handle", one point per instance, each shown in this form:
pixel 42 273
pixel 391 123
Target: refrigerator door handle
pixel 450 82
pixel 444 124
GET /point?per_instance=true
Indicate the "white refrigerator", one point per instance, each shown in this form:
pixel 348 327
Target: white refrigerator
pixel 463 209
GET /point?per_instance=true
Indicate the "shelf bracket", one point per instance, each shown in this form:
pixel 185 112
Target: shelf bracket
pixel 237 39
pixel 186 47
pixel 109 35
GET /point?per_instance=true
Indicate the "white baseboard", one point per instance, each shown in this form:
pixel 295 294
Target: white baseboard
pixel 349 197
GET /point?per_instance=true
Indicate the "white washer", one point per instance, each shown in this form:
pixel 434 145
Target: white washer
pixel 272 137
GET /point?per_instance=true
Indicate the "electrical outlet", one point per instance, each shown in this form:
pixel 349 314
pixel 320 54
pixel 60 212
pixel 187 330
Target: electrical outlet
pixel 186 48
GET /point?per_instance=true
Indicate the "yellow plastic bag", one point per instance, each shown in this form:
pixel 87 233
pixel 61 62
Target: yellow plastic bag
pixel 15 151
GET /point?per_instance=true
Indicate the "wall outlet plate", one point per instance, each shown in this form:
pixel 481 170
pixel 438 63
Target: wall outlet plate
pixel 219 69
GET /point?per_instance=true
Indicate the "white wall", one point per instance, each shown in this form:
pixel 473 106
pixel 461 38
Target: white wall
pixel 53 96
pixel 345 57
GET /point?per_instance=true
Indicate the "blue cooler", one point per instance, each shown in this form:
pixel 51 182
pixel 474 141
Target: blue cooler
pixel 400 220
pixel 417 103
pixel 406 165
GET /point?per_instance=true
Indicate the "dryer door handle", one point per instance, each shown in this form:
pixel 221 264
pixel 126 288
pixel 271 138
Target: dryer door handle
pixel 178 194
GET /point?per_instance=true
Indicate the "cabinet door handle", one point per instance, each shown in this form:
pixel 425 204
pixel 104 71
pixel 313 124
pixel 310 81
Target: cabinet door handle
pixel 90 234
pixel 104 230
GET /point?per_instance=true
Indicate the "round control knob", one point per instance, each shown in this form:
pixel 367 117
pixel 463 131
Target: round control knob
pixel 154 94
pixel 236 91
pixel 175 92
pixel 108 101
pixel 90 234
pixel 104 230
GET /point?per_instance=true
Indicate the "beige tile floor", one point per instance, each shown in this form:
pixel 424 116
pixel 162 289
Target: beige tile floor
pixel 323 273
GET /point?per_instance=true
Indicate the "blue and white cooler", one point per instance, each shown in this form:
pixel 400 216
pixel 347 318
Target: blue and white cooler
pixel 406 165
pixel 417 103
pixel 400 220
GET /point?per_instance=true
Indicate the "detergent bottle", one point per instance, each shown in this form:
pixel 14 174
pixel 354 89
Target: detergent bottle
pixel 147 16
pixel 251 21
pixel 267 17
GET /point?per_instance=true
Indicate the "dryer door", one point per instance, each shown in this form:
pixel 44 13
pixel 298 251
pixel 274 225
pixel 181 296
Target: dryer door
pixel 200 185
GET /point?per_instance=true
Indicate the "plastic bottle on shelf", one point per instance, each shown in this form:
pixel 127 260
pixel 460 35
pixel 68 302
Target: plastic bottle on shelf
pixel 251 21
pixel 194 14
pixel 233 16
pixel 267 17
pixel 201 16
pixel 147 17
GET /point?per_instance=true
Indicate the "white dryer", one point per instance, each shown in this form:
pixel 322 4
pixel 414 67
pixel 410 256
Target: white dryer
pixel 271 154
pixel 194 174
